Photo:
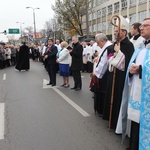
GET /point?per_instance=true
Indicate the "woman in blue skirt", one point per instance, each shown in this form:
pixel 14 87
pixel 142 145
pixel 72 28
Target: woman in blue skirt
pixel 64 61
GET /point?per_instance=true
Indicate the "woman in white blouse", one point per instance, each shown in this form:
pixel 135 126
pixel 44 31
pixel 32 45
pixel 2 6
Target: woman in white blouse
pixel 64 61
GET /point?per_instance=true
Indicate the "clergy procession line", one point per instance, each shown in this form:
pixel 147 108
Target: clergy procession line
pixel 120 75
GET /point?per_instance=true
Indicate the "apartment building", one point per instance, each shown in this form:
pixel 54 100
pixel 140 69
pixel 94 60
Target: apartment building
pixel 100 11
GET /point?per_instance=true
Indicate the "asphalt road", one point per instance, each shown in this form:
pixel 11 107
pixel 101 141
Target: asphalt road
pixel 38 117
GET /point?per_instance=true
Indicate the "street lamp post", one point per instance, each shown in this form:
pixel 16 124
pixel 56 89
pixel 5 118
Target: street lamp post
pixel 87 19
pixel 34 19
pixel 20 29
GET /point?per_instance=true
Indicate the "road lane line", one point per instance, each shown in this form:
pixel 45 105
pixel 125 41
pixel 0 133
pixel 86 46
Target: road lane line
pixel 2 111
pixel 4 76
pixel 78 108
pixel 67 99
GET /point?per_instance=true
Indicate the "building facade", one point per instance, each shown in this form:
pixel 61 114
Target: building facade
pixel 100 11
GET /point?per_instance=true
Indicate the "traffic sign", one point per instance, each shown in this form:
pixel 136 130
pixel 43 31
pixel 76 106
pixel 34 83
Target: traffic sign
pixel 13 31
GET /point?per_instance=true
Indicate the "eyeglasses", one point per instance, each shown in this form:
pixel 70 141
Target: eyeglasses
pixel 144 25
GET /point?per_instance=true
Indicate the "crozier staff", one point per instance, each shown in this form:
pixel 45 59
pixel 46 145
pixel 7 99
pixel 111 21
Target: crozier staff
pixel 114 73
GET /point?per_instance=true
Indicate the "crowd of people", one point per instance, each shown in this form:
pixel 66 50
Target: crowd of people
pixel 120 74
pixel 120 82
pixel 65 58
pixel 8 55
pixel 119 77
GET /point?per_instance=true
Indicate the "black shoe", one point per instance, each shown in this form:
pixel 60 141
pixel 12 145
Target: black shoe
pixel 100 115
pixel 49 83
pixel 78 89
pixel 53 84
pixel 73 88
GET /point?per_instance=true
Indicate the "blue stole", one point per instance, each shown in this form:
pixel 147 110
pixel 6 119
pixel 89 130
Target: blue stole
pixel 144 106
pixel 125 98
pixel 144 137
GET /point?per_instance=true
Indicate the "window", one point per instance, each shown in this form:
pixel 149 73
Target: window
pixel 142 1
pixel 132 3
pixel 116 7
pixel 94 15
pixel 132 18
pixel 104 11
pixel 90 17
pixel 94 28
pixel 142 15
pixel 90 5
pixel 109 24
pixel 102 1
pixel 99 14
pixel 124 4
pixel 104 26
pixel 90 28
pixel 109 9
pixel 99 27
pixel 94 3
pixel 98 2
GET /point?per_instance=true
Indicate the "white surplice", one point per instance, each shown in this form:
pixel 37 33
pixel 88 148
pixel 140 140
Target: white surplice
pixel 136 44
pixel 100 70
pixel 134 85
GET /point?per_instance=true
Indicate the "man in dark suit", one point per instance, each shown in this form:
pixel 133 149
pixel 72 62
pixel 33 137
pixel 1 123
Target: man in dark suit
pixel 50 55
pixel 77 62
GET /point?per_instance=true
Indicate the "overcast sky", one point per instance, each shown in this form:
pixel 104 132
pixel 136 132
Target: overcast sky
pixel 12 11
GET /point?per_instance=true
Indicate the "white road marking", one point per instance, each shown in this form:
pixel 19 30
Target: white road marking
pixel 67 99
pixel 78 108
pixel 2 111
pixel 4 76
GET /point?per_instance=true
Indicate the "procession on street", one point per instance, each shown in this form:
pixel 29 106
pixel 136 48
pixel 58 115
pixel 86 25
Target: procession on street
pixel 117 68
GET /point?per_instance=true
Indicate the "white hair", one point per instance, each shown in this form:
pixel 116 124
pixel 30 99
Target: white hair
pixel 101 37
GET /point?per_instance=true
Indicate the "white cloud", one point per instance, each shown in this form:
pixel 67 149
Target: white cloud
pixel 13 11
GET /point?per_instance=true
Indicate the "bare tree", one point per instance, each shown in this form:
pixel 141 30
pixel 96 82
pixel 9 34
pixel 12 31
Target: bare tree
pixel 53 29
pixel 27 34
pixel 69 14
pixel 28 30
pixel 12 39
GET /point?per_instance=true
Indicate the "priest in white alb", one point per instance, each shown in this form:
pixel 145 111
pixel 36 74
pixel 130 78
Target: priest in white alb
pixel 136 102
